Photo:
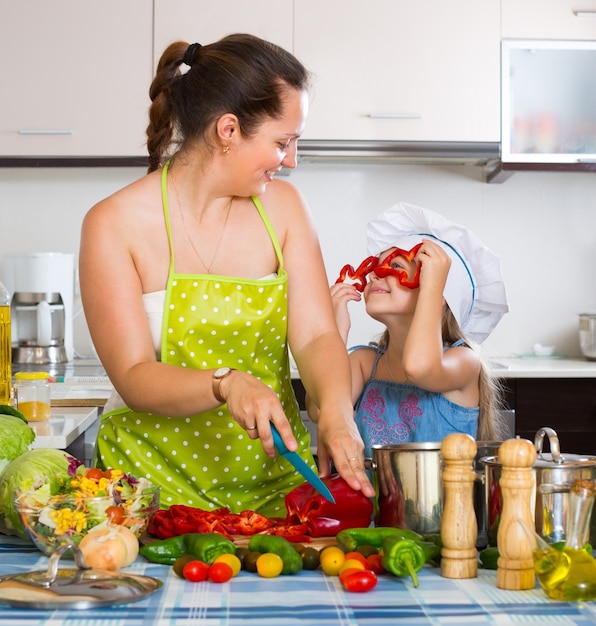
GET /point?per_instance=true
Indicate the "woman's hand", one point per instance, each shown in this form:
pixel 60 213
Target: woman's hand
pixel 341 294
pixel 344 445
pixel 254 405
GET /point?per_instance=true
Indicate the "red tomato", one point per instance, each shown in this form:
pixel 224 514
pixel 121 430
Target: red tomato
pixel 348 572
pixel 359 582
pixel 358 557
pixel 115 514
pixel 220 572
pixel 94 473
pixel 196 571
pixel 375 563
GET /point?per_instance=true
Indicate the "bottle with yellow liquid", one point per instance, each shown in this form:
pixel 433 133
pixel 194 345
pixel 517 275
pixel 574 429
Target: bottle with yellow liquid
pixel 570 575
pixel 5 347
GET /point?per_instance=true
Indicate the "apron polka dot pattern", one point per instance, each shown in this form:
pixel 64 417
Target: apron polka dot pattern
pixel 207 460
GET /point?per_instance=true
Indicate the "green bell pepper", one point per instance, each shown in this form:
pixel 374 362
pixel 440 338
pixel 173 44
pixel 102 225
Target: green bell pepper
pixel 404 557
pixel 282 547
pixel 205 547
pixel 351 538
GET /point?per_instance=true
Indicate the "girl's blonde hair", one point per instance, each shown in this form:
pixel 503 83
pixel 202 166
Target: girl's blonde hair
pixel 491 426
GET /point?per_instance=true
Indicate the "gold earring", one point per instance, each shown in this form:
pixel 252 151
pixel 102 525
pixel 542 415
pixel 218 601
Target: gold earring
pixel 226 149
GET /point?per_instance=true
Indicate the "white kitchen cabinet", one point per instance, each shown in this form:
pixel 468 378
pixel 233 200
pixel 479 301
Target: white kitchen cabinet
pixel 392 70
pixel 548 19
pixel 75 77
pixel 205 21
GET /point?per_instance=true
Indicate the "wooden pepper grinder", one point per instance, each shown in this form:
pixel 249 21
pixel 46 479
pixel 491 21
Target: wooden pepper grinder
pixel 515 567
pixel 459 528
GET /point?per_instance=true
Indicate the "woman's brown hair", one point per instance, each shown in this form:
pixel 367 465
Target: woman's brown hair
pixel 239 74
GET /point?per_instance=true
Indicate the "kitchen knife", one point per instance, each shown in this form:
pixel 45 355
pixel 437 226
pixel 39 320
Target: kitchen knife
pixel 300 466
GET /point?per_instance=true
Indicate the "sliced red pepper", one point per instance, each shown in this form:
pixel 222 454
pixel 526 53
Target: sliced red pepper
pixel 384 269
pixel 359 275
pixel 294 533
pixel 307 506
pixel 251 522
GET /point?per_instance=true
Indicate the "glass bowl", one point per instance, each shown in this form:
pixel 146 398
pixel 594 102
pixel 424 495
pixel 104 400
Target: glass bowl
pixel 70 518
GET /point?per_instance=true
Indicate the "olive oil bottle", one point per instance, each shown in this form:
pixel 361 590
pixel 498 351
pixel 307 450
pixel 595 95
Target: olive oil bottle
pixel 5 346
pixel 570 575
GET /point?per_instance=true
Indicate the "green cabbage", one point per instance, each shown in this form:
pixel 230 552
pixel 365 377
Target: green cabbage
pixel 15 438
pixel 20 474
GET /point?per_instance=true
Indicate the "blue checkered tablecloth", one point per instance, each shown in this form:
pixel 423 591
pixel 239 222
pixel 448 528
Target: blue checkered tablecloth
pixel 305 598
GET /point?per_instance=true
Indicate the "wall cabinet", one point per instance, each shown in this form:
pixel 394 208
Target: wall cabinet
pixel 548 19
pixel 568 405
pixel 401 71
pixel 75 77
pixel 205 21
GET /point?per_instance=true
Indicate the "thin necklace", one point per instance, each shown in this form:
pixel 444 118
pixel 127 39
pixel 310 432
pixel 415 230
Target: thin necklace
pixel 389 369
pixel 205 265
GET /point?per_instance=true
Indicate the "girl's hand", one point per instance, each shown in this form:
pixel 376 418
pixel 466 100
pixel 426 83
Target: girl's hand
pixel 341 294
pixel 435 264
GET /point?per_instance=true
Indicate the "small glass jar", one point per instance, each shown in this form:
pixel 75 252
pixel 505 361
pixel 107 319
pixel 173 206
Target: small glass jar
pixel 32 395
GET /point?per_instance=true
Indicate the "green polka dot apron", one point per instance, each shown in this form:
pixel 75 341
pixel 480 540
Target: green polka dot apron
pixel 208 460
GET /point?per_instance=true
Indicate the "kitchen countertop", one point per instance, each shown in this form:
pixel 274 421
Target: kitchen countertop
pixel 543 367
pixel 306 598
pixel 64 427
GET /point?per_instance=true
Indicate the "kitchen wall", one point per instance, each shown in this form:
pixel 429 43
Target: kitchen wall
pixel 542 224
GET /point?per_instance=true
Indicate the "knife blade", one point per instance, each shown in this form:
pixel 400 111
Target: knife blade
pixel 300 466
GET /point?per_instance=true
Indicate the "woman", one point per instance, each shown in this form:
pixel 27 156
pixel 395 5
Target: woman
pixel 198 278
pixel 438 290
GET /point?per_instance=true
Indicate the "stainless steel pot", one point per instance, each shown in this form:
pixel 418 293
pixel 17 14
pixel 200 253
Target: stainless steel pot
pixel 552 473
pixel 408 480
pixel 587 335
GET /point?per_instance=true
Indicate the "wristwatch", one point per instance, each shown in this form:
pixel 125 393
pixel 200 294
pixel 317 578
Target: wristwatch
pixel 218 375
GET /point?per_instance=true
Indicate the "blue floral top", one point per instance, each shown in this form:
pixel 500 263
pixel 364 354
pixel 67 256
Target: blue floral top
pixel 388 413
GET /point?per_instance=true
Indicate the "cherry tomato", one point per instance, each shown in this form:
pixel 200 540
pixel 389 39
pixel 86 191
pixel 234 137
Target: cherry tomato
pixel 196 571
pixel 358 557
pixel 360 581
pixel 94 473
pixel 220 572
pixel 375 563
pixel 115 514
pixel 348 572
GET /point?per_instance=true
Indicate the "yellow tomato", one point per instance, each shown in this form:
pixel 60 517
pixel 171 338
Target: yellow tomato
pixel 269 565
pixel 232 560
pixel 332 558
pixel 351 564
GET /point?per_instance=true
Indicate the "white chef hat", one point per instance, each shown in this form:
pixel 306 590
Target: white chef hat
pixel 474 290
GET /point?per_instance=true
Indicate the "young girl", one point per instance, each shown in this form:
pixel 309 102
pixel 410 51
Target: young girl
pixel 439 292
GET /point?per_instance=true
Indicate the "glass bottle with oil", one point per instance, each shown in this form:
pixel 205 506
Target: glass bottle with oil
pixel 5 347
pixel 570 575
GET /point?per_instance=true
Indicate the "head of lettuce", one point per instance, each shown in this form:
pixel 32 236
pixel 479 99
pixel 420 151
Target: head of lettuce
pixel 16 436
pixel 39 464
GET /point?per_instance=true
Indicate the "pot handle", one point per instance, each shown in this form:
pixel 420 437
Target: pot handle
pixel 553 439
pixel 54 562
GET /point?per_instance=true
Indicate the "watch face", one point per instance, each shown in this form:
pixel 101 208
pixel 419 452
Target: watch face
pixel 221 372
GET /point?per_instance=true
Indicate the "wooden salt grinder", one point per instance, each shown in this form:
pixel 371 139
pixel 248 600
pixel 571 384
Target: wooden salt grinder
pixel 459 528
pixel 515 567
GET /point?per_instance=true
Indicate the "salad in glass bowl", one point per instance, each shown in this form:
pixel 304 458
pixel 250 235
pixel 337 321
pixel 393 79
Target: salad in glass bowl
pixel 85 500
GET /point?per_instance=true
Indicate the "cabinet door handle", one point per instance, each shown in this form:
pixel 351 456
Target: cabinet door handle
pixel 395 116
pixel 44 131
pixel 585 13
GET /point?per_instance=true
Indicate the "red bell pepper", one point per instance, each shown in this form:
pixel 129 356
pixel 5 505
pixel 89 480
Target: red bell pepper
pixel 384 269
pixel 359 275
pixel 305 505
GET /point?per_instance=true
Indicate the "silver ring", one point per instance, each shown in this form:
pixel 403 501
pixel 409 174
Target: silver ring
pixel 352 459
pixel 253 428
